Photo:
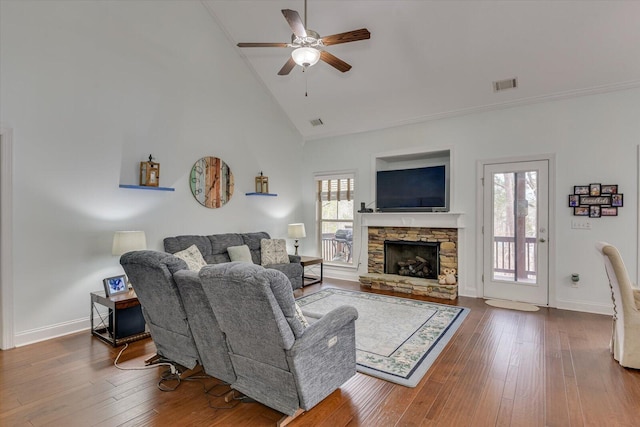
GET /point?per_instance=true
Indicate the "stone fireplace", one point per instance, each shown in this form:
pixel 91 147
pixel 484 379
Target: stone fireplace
pixel 437 246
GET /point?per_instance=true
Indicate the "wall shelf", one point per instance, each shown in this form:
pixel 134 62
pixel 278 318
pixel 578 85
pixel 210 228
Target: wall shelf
pixel 142 187
pixel 261 194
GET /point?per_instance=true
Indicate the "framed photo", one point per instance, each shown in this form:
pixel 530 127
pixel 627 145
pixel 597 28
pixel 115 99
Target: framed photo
pixel 574 200
pixel 609 211
pixel 594 211
pixel 115 285
pixel 609 189
pixel 581 189
pixel 594 189
pixel 581 211
pixel 617 200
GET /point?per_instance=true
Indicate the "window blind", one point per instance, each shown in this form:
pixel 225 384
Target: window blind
pixel 335 189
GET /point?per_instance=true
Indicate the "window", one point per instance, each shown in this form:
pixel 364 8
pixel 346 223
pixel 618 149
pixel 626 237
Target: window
pixel 335 211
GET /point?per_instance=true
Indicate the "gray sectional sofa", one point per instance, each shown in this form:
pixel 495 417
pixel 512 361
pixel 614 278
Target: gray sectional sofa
pixel 214 251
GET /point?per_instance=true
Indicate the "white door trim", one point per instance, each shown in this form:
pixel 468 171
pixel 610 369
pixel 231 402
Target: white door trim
pixel 480 164
pixel 7 338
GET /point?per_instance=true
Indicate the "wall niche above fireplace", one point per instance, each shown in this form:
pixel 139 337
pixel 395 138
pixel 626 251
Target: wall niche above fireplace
pixel 425 176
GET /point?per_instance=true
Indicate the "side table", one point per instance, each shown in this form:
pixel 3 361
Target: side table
pixel 307 261
pixel 124 322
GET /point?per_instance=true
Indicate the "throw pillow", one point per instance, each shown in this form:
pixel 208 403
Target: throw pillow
pixel 192 257
pixel 273 251
pixel 240 253
pixel 300 317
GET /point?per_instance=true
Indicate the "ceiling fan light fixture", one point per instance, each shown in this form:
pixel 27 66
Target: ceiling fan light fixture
pixel 306 56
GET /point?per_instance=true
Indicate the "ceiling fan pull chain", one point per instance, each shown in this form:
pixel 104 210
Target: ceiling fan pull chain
pixel 305 14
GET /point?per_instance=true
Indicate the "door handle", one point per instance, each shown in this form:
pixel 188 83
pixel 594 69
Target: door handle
pixel 542 240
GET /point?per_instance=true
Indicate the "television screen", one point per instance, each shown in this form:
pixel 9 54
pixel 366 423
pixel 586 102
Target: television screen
pixel 419 189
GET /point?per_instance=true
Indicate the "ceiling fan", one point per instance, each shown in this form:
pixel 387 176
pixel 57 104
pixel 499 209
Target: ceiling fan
pixel 309 46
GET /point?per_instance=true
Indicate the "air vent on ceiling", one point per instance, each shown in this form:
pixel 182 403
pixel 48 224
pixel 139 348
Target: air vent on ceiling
pixel 505 84
pixel 316 122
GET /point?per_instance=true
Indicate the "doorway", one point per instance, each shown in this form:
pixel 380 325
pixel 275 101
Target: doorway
pixel 6 242
pixel 515 231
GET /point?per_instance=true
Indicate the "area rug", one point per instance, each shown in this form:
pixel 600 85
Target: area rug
pixel 512 305
pixel 397 339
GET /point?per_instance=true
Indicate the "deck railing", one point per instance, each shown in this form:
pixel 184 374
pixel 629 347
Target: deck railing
pixel 335 250
pixel 504 260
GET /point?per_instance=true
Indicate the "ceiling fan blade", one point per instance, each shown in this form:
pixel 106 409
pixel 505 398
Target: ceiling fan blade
pixel 263 45
pixel 334 61
pixel 293 18
pixel 286 68
pixel 350 36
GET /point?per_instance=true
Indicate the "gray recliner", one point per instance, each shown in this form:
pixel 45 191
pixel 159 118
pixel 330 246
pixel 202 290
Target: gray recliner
pixel 277 360
pixel 210 342
pixel 151 274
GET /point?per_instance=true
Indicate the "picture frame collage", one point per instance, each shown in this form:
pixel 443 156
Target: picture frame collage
pixel 596 200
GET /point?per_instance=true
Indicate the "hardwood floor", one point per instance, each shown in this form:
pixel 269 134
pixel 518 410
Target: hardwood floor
pixel 549 368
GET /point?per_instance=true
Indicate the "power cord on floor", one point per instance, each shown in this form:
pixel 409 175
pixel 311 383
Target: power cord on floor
pixel 170 374
pixel 173 374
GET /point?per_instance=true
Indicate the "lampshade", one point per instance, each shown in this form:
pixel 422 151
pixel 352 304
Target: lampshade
pixel 127 241
pixel 296 231
pixel 305 56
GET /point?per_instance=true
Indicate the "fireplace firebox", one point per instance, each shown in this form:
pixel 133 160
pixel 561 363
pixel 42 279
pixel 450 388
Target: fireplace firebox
pixel 415 259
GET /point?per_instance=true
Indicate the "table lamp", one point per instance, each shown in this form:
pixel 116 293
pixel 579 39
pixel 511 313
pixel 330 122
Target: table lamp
pixel 127 241
pixel 296 231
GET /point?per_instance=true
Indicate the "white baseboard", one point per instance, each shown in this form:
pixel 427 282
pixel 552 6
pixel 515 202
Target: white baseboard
pixel 341 273
pixel 53 331
pixel 465 292
pixel 586 307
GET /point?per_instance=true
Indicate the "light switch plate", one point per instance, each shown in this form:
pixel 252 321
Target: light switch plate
pixel 581 224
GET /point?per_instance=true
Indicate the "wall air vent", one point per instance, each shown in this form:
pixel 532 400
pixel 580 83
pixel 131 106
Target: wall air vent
pixel 316 122
pixel 505 84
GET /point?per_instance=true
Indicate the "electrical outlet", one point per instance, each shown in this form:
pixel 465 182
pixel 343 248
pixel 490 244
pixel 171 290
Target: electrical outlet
pixel 581 224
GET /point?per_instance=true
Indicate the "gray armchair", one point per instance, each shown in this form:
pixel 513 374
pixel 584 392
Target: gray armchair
pixel 151 274
pixel 277 360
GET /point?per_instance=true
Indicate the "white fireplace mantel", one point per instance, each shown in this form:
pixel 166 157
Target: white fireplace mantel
pixel 413 219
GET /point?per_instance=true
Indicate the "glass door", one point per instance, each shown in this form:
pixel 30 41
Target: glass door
pixel 515 231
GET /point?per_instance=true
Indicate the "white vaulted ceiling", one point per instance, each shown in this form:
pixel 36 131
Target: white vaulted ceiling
pixel 431 59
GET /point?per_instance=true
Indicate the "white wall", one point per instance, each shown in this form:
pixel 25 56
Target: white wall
pixel 594 139
pixel 90 89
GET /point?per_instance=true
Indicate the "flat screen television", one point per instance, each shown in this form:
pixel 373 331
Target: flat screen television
pixel 419 190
